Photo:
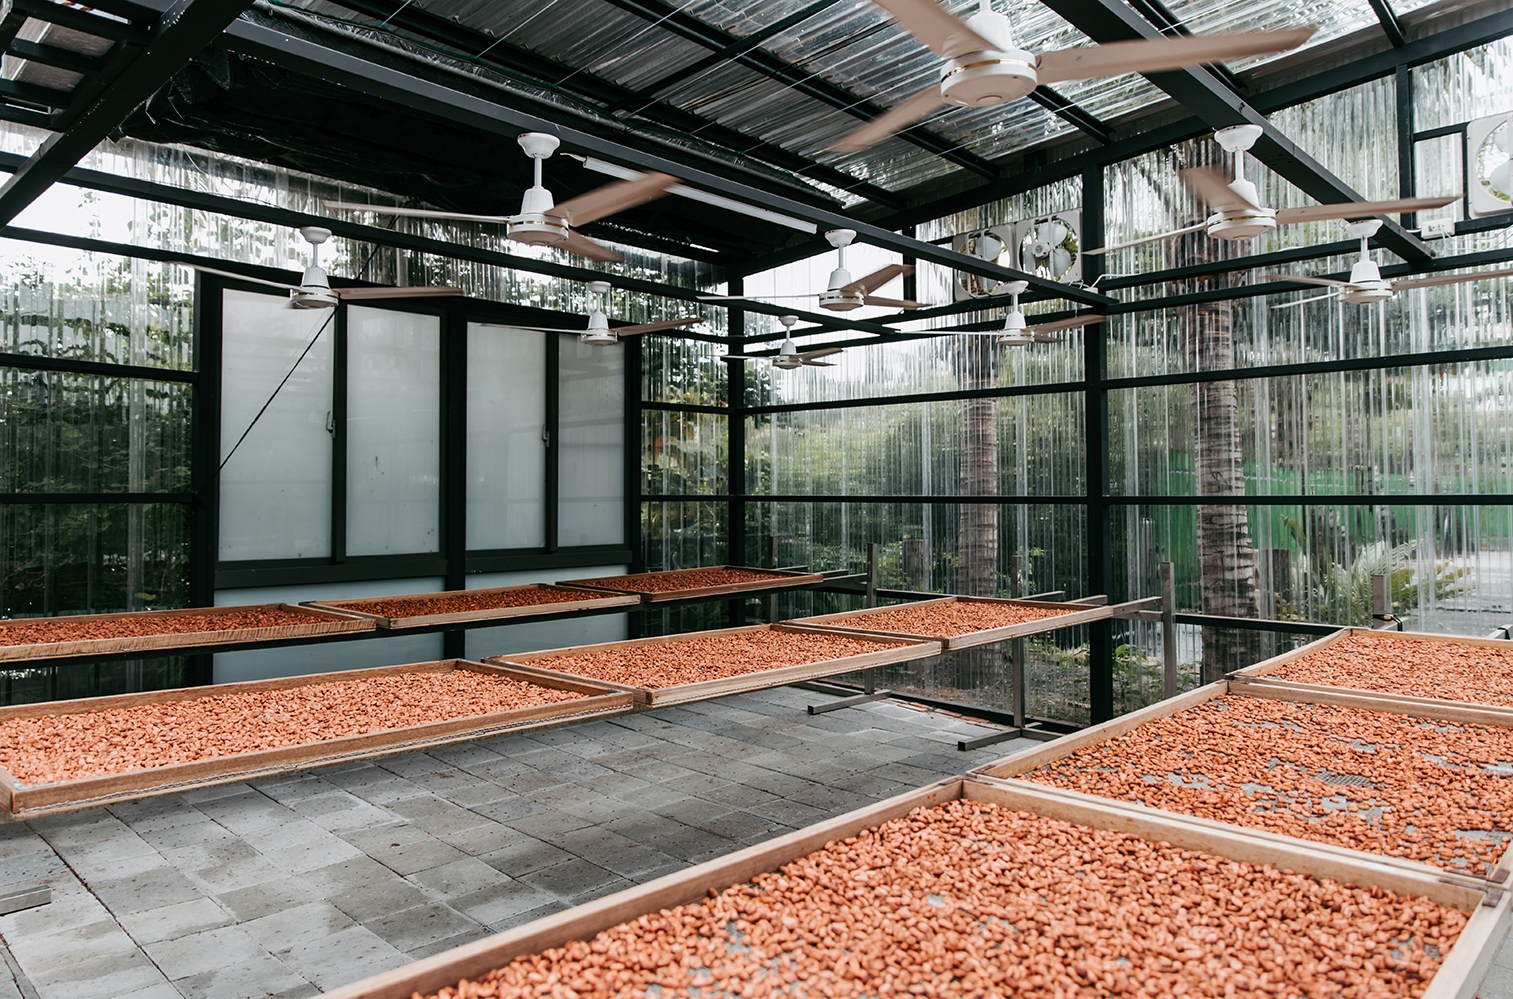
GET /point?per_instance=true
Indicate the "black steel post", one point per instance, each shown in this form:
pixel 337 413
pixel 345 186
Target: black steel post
pixel 1099 536
pixel 735 422
pixel 454 457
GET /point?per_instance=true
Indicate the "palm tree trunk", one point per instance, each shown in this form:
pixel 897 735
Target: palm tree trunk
pixel 1227 555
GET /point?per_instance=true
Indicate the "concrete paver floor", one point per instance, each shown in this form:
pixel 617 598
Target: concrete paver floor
pixel 296 885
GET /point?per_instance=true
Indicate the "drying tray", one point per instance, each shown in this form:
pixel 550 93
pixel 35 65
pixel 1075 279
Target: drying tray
pixel 781 579
pixel 584 601
pixel 599 699
pixel 1262 677
pixel 1458 977
pixel 1012 769
pixel 1065 618
pixel 321 622
pixel 720 686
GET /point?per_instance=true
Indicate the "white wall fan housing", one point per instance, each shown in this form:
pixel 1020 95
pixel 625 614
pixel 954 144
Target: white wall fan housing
pixel 1050 247
pixel 1489 163
pixel 990 244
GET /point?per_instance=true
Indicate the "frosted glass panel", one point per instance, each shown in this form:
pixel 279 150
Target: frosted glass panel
pixel 393 432
pixel 591 462
pixel 276 489
pixel 506 453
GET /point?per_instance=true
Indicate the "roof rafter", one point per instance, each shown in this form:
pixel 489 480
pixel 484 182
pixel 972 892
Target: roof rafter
pixel 182 32
pixel 1391 26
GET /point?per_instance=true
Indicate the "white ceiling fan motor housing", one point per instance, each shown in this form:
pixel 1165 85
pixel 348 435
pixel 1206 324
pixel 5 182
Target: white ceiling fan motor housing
pixel 598 333
pixel 533 225
pixel 994 76
pixel 788 355
pixel 1247 223
pixel 314 291
pixel 1366 284
pixel 834 297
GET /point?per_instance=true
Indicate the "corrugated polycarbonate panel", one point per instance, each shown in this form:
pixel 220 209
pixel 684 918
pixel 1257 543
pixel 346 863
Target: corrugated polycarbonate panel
pixel 1333 18
pixel 1467 85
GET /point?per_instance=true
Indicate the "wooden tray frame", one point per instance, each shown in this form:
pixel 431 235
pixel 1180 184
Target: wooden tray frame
pixel 322 622
pixel 586 601
pixel 1066 619
pixel 1011 769
pixel 1458 977
pixel 26 799
pixel 1260 677
pixel 784 579
pixel 655 697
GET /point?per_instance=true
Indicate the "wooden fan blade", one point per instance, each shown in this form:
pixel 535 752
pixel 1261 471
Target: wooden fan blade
pixel 895 303
pixel 930 23
pixel 612 198
pixel 875 280
pixel 426 291
pixel 533 329
pixel 817 364
pixel 1069 323
pixel 581 245
pixel 751 298
pixel 819 352
pixel 1049 339
pixel 1152 55
pixel 1305 279
pixel 1439 279
pixel 1148 239
pixel 661 324
pixel 895 119
pixel 1210 185
pixel 1304 301
pixel 418 213
pixel 1359 209
pixel 235 276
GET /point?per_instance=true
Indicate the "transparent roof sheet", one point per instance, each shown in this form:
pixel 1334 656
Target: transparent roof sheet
pixel 855 46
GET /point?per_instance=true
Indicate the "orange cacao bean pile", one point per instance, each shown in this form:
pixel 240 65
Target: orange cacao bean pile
pixel 64 629
pixel 1451 670
pixel 970 900
pixel 1383 783
pixel 948 620
pixel 52 748
pixel 680 579
pixel 456 602
pixel 667 664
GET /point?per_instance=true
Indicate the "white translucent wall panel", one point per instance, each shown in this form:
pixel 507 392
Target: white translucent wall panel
pixel 264 664
pixel 534 636
pixel 393 432
pixel 506 452
pixel 276 489
pixel 591 431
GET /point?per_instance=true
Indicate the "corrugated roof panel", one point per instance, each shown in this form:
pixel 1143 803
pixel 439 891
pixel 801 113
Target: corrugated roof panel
pixel 1333 17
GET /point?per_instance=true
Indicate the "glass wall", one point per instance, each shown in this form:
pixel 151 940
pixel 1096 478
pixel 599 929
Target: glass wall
pixel 507 433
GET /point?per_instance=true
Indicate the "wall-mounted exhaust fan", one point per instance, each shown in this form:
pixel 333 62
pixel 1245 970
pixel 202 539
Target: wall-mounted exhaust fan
pixel 789 356
pixel 314 290
pixel 541 222
pixel 1489 162
pixel 598 331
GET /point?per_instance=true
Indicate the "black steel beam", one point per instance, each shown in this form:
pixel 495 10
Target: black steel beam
pixel 182 32
pixel 431 97
pixel 32 93
pixel 548 73
pixel 1250 499
pixel 1391 26
pixel 1065 109
pixel 80 19
pixel 1203 93
pixel 69 365
pixel 670 18
pixel 52 55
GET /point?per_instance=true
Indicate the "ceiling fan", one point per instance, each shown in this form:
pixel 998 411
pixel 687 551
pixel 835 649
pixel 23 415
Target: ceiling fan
pixel 1366 284
pixel 1016 330
pixel 314 290
pixel 841 294
pixel 598 332
pixel 789 356
pixel 542 222
pixel 983 66
pixel 1238 213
